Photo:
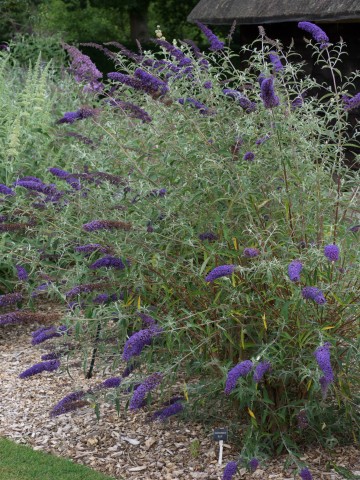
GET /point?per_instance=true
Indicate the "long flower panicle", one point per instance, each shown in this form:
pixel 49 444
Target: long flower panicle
pixel 6 190
pixel 109 262
pixel 106 225
pixel 297 102
pixel 10 299
pixel 48 366
pixel 322 355
pixel 52 332
pixel 92 247
pixel 86 288
pixel 128 80
pixel 332 252
pixel 132 110
pixel 129 369
pixel 240 370
pixel 294 270
pixel 210 236
pixel 253 464
pixel 305 474
pixel 14 227
pixel 17 317
pixel 138 341
pixel 260 371
pixel 197 54
pixel 174 51
pixel 81 114
pixel 351 103
pixel 105 298
pixel 276 62
pixel 83 68
pixel 203 109
pixel 316 32
pixel 57 172
pixel 126 52
pixel 167 412
pixel 268 96
pixel 230 470
pixel 37 186
pixel 220 271
pixel 51 356
pixel 112 382
pixel 215 43
pixel 64 404
pixel 151 382
pixel 43 287
pixel 251 252
pixel 147 320
pixel 150 83
pixel 22 274
pixel 241 99
pixel 313 293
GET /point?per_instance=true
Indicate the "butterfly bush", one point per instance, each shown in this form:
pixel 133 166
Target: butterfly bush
pixel 156 179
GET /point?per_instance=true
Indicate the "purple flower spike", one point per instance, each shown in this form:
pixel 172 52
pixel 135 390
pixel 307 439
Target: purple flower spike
pixel 332 252
pixel 313 293
pixel 64 405
pixel 113 382
pixel 21 273
pixel 230 470
pixel 6 190
pixel 167 412
pixel 350 103
pixel 316 32
pixel 92 247
pixel 260 371
pixel 294 270
pixel 215 43
pixel 305 472
pixel 10 299
pixel 322 355
pixel 251 252
pixel 108 262
pixel 262 140
pixel 136 343
pixel 253 464
pixel 49 366
pixel 221 271
pixel 275 60
pixel 268 96
pixel 249 156
pixel 240 370
pixel 137 400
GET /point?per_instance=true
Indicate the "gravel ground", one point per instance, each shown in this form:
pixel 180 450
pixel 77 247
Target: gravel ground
pixel 125 447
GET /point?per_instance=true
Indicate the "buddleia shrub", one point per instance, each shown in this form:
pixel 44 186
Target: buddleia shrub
pixel 205 237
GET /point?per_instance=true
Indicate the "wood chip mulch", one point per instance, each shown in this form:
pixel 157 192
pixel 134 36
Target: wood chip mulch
pixel 125 447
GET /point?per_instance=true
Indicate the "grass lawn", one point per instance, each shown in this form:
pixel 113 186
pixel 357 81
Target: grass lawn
pixel 22 463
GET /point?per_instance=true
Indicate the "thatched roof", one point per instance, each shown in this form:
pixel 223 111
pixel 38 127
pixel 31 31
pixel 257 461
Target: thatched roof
pixel 222 12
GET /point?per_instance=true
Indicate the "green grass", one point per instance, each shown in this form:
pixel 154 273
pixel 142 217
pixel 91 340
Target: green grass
pixel 18 462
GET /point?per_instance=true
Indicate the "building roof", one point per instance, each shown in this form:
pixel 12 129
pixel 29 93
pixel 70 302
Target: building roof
pixel 223 12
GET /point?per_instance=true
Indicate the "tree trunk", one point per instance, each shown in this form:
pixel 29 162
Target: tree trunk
pixel 138 22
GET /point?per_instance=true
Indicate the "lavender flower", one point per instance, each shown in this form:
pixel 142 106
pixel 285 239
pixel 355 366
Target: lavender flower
pixel 253 464
pixel 21 273
pixel 262 140
pixel 149 383
pixel 14 227
pixel 83 68
pixel 296 103
pixel 129 369
pixel 136 343
pixel 350 103
pixel 40 288
pixel 58 172
pixel 113 382
pixel 37 186
pixel 251 252
pixel 6 190
pixel 85 288
pixel 69 117
pixel 167 412
pixel 105 225
pixel 242 100
pixel 305 472
pixel 207 84
pixel 221 271
pixel 261 78
pixel 108 262
pixel 10 299
pixel 133 111
pixel 126 80
pixel 268 96
pixel 104 298
pixel 230 470
pixel 63 406
pixel 275 60
pixel 49 333
pixel 294 270
pixel 316 32
pixel 13 318
pixel 215 43
pixel 332 252
pixel 150 83
pixel 210 236
pixel 147 320
pixel 203 109
pixel 240 370
pixel 260 371
pixel 322 355
pixel 51 356
pixel 92 247
pixel 175 52
pixel 3 218
pixel 249 156
pixel 315 294
pixel 49 366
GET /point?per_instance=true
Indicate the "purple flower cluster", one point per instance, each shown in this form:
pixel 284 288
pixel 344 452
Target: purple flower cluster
pixel 207 85
pixel 147 320
pixel 105 225
pixel 108 262
pixel 350 103
pixel 136 343
pixel 220 271
pixel 81 114
pixel 262 140
pixel 242 100
pixel 83 68
pixel 203 109
pixel 275 60
pixel 37 186
pixel 105 298
pixel 268 96
pixel 215 43
pixel 150 83
pixel 65 405
pixel 43 334
pixel 230 470
pixel 305 474
pixel 260 371
pixel 49 366
pixel 92 247
pixel 149 384
pixel 253 464
pixel 249 156
pixel 126 80
pixel 240 370
pixel 167 412
pixel 316 32
pixel 297 102
pixel 322 355
pixel 251 252
pixel 210 236
pixel 112 382
pixel 175 52
pixel 21 273
pixel 133 111
pixel 85 288
pixel 332 252
pixel 6 190
pixel 10 299
pixel 313 293
pixel 51 356
pixel 294 270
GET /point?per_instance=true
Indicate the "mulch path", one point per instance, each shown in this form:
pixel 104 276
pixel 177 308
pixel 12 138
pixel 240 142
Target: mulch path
pixel 128 446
